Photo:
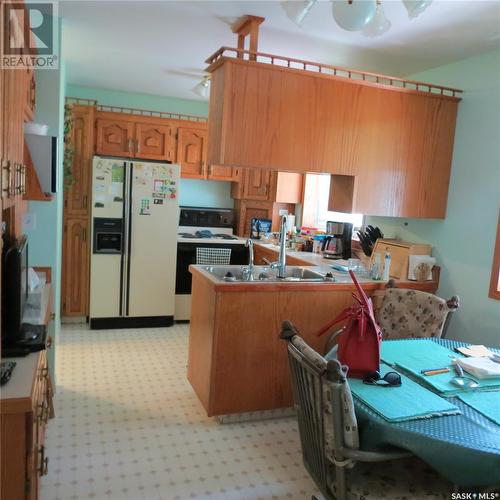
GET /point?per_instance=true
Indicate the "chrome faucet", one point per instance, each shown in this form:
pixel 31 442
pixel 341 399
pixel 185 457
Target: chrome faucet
pixel 280 264
pixel 249 244
pixel 248 270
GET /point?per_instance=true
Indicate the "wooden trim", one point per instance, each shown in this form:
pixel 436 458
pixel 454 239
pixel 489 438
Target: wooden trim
pixel 362 77
pixel 46 270
pixel 135 112
pixel 495 270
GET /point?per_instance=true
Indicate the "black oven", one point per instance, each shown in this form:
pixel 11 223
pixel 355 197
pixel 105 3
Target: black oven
pixel 186 255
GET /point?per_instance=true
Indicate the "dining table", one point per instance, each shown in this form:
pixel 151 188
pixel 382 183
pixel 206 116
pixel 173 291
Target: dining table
pixel 463 447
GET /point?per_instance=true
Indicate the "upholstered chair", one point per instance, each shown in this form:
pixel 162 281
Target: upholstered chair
pixel 414 314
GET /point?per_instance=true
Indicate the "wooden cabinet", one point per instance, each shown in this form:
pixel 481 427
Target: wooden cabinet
pixel 30 95
pixel 191 153
pixel 257 185
pixel 155 142
pixel 75 269
pixel 396 141
pixel 77 196
pixel 218 173
pixel 249 209
pixel 115 137
pixel 25 411
pixel 263 255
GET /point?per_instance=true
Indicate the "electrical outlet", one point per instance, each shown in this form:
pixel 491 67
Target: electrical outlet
pixel 283 211
pixel 29 222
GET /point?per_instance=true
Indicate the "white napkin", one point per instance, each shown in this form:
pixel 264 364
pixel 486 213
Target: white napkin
pixel 480 367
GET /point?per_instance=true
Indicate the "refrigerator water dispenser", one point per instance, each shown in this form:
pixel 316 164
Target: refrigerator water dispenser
pixel 108 236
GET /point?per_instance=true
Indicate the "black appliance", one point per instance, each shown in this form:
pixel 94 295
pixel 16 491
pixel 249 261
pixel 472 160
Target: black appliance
pixel 337 244
pixel 206 224
pixel 14 288
pixel 206 217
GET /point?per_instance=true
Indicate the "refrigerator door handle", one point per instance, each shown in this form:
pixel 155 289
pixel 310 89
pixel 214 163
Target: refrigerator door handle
pixel 128 232
pixel 125 259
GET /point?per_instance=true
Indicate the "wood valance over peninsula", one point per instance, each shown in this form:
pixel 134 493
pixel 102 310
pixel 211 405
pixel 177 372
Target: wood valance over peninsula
pixel 393 136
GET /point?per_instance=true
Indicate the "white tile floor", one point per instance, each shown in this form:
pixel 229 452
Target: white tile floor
pixel 129 426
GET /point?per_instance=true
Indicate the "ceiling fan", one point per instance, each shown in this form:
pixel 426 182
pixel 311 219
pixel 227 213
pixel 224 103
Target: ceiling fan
pixel 366 16
pixel 202 88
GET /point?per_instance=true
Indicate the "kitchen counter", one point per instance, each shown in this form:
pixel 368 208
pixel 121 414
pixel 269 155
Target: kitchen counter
pixel 236 361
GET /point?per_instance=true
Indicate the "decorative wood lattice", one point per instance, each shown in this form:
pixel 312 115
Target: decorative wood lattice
pixel 327 69
pixel 136 111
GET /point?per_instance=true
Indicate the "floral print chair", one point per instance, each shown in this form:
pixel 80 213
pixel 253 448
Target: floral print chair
pixel 414 314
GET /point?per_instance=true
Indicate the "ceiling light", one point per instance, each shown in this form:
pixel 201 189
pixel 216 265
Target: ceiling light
pixel 297 11
pixel 202 88
pixel 379 23
pixel 353 15
pixel 416 7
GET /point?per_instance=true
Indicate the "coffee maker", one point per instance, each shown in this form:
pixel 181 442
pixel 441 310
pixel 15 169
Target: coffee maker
pixel 337 242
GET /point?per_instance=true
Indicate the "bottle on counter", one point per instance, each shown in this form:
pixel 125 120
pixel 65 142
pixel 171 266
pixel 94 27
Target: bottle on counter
pixel 387 266
pixel 376 269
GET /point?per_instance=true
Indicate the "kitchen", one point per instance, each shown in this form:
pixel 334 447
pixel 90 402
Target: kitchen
pixel 271 139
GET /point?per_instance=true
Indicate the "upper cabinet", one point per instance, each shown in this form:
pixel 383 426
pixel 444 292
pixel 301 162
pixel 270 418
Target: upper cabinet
pixel 77 194
pixel 154 141
pixel 191 152
pixel 115 137
pixel 396 141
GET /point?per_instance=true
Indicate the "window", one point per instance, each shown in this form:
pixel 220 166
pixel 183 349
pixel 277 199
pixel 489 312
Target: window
pixel 495 271
pixel 315 210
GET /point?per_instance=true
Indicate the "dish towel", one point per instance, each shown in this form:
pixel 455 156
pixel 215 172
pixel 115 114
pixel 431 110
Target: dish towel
pixel 409 401
pixel 485 402
pixel 415 355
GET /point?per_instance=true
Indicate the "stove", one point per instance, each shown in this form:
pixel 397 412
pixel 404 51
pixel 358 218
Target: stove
pixel 199 225
pixel 202 228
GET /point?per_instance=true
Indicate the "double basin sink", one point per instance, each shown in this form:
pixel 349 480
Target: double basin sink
pixel 265 274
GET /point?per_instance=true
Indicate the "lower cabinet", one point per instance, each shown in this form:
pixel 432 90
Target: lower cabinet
pixel 75 269
pixel 23 422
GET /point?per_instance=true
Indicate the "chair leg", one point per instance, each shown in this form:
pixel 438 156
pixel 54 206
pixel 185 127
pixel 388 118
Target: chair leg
pixel 340 483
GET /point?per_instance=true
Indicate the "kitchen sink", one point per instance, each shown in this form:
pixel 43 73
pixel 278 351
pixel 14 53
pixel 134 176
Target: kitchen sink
pixel 265 274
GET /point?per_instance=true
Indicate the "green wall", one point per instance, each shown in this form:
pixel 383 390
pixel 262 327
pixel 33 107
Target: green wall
pixel 464 241
pixel 192 192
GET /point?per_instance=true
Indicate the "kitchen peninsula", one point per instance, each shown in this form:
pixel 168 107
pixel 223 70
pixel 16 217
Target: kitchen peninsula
pixel 236 361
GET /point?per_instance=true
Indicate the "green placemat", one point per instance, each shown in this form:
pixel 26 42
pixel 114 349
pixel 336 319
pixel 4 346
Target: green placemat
pixel 409 401
pixel 485 402
pixel 413 356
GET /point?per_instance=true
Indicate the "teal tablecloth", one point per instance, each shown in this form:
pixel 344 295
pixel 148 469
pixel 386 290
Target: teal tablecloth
pixel 409 401
pixel 485 402
pixel 464 448
pixel 425 354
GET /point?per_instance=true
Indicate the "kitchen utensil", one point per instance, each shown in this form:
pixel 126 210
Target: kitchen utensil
pixel 434 371
pixel 461 380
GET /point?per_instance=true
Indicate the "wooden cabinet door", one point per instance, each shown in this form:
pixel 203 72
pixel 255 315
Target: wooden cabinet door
pixel 154 142
pixel 192 153
pixel 220 173
pixel 257 184
pixel 77 196
pixel 115 137
pixel 75 272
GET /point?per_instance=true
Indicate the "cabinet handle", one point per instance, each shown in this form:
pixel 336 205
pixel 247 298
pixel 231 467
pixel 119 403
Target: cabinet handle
pixel 84 234
pixel 85 201
pixel 44 462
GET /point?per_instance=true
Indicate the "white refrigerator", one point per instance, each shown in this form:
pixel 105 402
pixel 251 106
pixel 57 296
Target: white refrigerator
pixel 135 216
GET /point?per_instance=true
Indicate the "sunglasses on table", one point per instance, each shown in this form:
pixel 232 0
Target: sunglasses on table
pixel 390 379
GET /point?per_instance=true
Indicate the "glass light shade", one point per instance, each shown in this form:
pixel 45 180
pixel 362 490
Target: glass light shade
pixel 379 23
pixel 416 7
pixel 202 88
pixel 297 11
pixel 353 16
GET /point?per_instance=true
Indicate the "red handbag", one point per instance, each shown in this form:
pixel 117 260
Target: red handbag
pixel 359 340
